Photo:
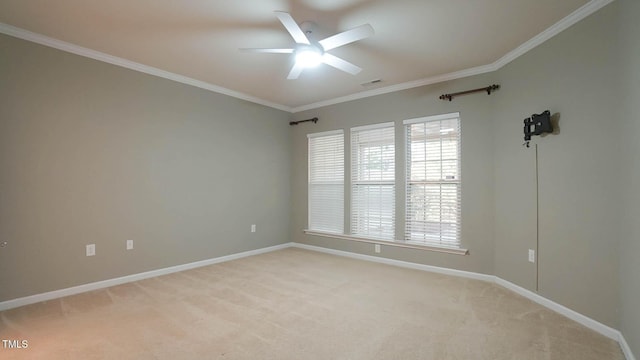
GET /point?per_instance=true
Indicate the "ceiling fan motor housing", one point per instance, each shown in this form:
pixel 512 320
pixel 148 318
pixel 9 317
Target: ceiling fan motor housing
pixel 310 52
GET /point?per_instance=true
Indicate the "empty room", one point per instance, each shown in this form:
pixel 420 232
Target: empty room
pixel 307 179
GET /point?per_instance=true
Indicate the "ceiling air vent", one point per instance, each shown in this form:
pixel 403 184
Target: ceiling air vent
pixel 372 82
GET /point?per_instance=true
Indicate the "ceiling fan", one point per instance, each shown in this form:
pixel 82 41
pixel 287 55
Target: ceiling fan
pixel 309 53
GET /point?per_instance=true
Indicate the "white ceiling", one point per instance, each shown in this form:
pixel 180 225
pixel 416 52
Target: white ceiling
pixel 197 41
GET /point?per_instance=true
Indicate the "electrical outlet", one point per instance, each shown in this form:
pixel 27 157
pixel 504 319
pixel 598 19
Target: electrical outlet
pixel 91 249
pixel 253 227
pixel 129 244
pixel 532 255
pixel 377 248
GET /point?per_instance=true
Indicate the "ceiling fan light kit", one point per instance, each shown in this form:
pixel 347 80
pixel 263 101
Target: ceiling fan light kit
pixel 310 54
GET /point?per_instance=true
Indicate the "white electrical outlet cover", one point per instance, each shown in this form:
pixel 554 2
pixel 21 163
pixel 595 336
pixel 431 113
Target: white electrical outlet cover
pixel 91 249
pixel 129 244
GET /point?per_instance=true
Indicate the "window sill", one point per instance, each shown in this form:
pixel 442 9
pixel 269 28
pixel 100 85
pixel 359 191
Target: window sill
pixel 396 243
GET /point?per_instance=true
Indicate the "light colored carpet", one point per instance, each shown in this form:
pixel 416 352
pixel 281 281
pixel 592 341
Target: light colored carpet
pixel 298 304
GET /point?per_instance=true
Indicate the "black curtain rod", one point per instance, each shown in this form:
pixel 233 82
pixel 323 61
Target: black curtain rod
pixel 315 120
pixel 488 89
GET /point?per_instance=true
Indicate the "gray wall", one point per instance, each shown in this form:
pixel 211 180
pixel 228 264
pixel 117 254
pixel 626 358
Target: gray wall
pixel 579 190
pixel 630 115
pixel 94 153
pixel 575 75
pixel 476 113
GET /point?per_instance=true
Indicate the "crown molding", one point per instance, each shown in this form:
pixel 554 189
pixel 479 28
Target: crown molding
pixel 132 65
pixel 398 87
pixel 571 19
pixel 579 14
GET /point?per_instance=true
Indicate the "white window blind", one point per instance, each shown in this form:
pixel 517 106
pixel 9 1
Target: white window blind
pixel 326 181
pixel 373 181
pixel 433 181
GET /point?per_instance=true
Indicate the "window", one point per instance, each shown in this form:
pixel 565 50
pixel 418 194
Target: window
pixel 433 181
pixel 373 181
pixel 326 181
pixel 432 196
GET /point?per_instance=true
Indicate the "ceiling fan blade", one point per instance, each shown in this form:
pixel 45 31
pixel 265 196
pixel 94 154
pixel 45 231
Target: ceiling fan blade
pixel 292 27
pixel 346 37
pixel 296 70
pixel 272 51
pixel 340 64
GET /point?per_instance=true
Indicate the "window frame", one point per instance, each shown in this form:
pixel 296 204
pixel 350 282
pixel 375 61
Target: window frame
pixel 443 238
pixel 401 156
pixel 388 227
pixel 340 228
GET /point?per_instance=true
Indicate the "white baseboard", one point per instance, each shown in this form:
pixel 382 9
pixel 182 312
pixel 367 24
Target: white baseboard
pixel 405 264
pixel 625 348
pixel 571 314
pixel 10 304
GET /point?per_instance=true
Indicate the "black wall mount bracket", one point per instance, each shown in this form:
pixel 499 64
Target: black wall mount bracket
pixel 537 124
